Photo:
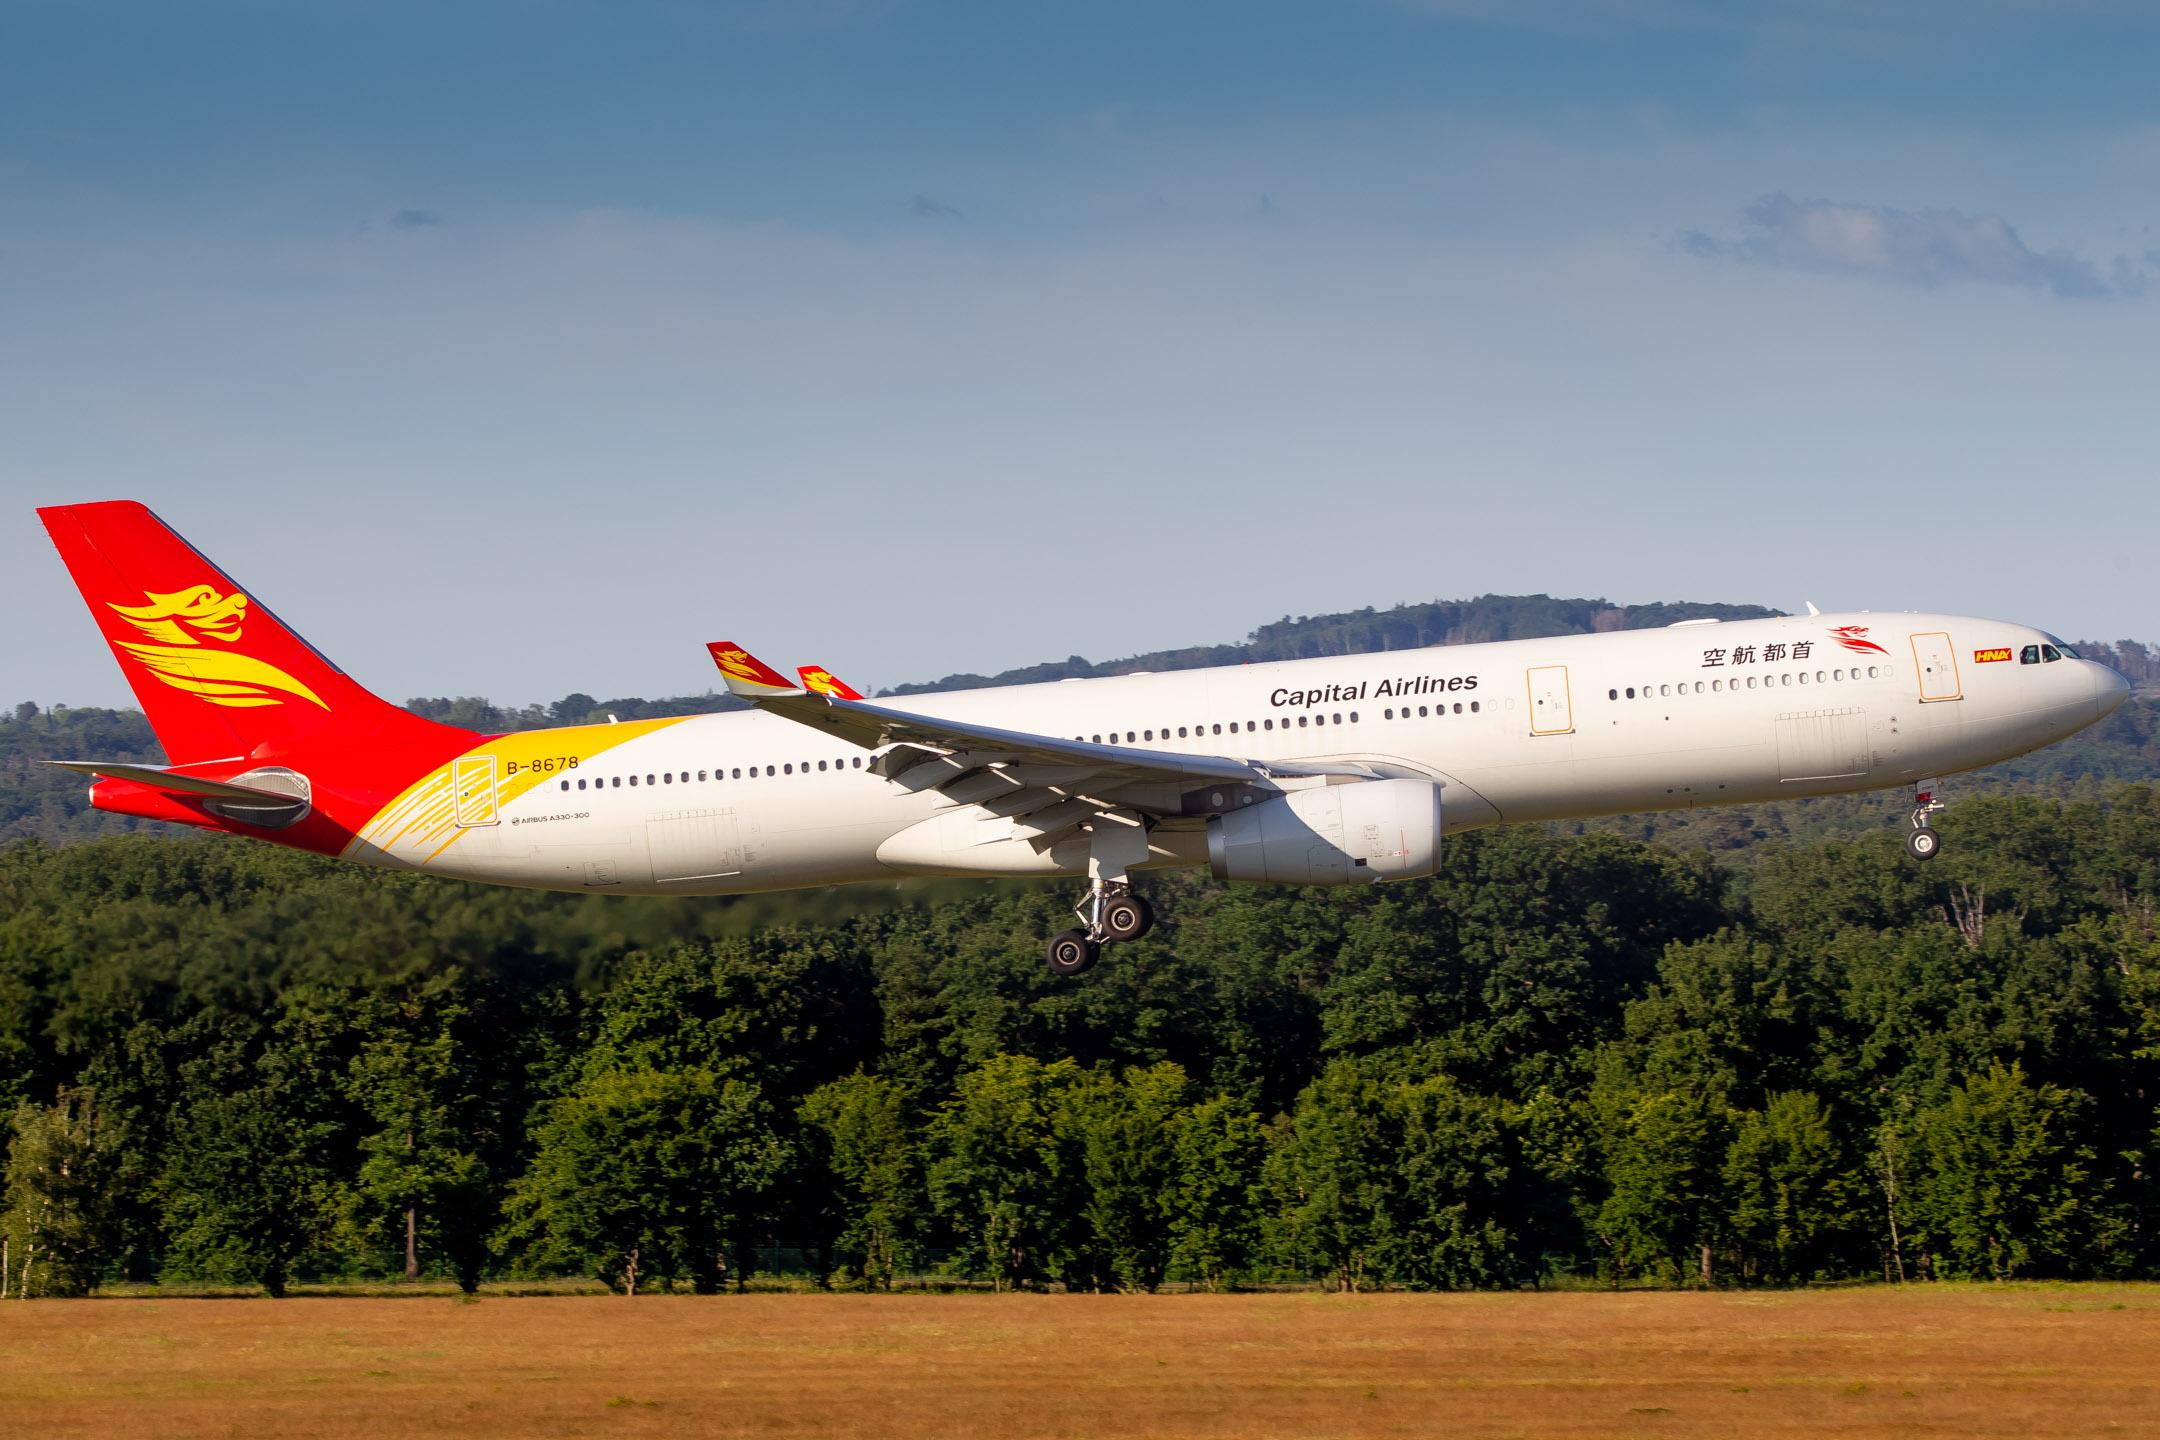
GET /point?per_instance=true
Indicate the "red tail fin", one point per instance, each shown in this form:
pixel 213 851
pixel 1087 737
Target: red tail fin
pixel 216 672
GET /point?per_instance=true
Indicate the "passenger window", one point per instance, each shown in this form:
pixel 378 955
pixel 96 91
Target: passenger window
pixel 633 779
pixel 1147 734
pixel 1387 714
pixel 1421 710
pixel 701 775
pixel 667 777
pixel 1218 728
pixel 581 784
pixel 821 764
pixel 1717 684
pixel 1353 717
pixel 1181 732
pixel 1098 739
pixel 787 769
pixel 1665 689
pixel 1473 708
pixel 1301 720
pixel 858 762
pixel 1271 723
pixel 1612 694
pixel 617 782
pixel 1631 692
pixel 566 784
pixel 1338 719
pixel 1698 687
pixel 738 773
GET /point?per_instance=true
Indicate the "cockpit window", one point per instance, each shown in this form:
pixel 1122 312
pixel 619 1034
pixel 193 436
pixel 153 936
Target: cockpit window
pixel 2030 655
pixel 2062 651
pixel 2049 654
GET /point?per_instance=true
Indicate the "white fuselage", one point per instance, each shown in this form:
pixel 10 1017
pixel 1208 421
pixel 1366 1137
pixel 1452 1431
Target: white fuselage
pixel 1524 730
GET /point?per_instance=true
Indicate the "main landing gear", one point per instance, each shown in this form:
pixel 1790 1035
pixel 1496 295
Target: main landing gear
pixel 1921 842
pixel 1109 911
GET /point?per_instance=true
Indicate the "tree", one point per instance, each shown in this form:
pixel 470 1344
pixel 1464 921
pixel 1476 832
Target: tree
pixel 1663 1172
pixel 422 1166
pixel 1795 1186
pixel 2005 1188
pixel 247 1192
pixel 1125 1129
pixel 999 1174
pixel 1457 1207
pixel 647 1175
pixel 1328 1175
pixel 873 1160
pixel 57 1230
pixel 1218 1147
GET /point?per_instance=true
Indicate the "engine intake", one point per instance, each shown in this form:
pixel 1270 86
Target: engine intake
pixel 1333 835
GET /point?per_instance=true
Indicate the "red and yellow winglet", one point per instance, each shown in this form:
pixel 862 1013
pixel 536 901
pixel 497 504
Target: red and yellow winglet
pixel 824 682
pixel 746 675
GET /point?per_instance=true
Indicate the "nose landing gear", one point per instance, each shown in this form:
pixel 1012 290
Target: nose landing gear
pixel 1921 842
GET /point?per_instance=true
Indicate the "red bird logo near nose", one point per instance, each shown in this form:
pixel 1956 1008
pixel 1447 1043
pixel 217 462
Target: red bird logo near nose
pixel 1854 638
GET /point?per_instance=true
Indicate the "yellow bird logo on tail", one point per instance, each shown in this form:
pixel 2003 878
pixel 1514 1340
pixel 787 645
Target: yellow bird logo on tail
pixel 177 623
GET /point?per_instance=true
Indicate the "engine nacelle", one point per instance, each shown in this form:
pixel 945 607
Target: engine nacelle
pixel 1332 835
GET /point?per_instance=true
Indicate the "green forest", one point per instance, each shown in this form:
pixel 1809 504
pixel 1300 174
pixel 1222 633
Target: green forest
pixel 1757 1046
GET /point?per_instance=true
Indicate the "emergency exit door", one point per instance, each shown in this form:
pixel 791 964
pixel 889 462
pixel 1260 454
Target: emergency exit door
pixel 472 786
pixel 1937 664
pixel 1550 711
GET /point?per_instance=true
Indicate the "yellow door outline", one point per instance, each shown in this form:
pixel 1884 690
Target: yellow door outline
pixel 1937 664
pixel 472 784
pixel 1551 712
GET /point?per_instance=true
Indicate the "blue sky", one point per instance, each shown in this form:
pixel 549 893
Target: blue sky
pixel 515 348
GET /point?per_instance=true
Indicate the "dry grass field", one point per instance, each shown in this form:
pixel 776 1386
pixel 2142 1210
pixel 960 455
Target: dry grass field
pixel 1942 1361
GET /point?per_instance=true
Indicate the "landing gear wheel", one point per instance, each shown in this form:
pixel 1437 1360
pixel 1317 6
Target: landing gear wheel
pixel 1922 843
pixel 1070 952
pixel 1127 917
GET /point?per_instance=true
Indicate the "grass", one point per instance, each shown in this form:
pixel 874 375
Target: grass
pixel 1922 1361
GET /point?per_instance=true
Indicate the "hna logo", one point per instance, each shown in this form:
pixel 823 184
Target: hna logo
pixel 1854 638
pixel 1999 653
pixel 179 623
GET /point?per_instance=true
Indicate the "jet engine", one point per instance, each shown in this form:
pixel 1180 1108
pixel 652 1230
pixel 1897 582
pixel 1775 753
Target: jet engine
pixel 1332 835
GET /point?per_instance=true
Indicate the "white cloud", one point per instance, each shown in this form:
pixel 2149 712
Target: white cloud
pixel 1926 248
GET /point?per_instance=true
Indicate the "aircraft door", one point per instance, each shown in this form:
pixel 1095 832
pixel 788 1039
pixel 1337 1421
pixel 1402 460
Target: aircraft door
pixel 472 787
pixel 1550 710
pixel 1937 664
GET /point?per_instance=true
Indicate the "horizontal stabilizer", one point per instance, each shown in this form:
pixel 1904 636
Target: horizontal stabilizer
pixel 159 778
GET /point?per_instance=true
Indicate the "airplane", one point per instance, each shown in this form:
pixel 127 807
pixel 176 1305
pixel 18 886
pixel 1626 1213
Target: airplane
pixel 1342 770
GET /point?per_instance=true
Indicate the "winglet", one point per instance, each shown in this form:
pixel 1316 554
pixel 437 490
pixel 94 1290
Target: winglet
pixel 818 678
pixel 746 675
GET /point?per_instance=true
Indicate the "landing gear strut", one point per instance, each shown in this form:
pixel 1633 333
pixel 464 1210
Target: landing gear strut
pixel 1109 911
pixel 1117 841
pixel 1921 842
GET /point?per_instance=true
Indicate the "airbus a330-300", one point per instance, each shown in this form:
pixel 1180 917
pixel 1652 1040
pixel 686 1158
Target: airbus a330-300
pixel 1344 770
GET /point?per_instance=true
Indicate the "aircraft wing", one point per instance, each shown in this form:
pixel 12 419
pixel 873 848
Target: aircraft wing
pixel 1047 784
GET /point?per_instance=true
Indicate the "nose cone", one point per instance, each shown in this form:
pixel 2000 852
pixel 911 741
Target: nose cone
pixel 2110 689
